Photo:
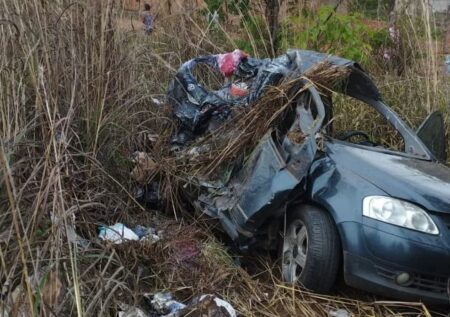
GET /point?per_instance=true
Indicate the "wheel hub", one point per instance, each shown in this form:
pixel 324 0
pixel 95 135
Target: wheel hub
pixel 295 247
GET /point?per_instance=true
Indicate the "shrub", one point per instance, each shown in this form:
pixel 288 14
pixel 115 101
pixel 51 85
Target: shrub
pixel 331 32
pixel 256 36
pixel 234 6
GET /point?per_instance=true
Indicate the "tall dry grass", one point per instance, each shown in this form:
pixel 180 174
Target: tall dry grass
pixel 76 95
pixel 72 97
pixel 420 89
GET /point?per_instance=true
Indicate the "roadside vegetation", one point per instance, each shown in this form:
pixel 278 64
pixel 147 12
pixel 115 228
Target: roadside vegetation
pixel 78 83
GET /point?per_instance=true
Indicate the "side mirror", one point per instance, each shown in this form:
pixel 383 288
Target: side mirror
pixel 432 134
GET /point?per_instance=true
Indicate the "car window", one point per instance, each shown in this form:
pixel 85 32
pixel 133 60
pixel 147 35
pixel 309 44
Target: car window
pixel 351 115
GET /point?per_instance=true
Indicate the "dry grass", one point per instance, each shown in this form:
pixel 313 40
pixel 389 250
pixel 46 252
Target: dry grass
pixel 75 100
pixel 249 124
pixel 216 151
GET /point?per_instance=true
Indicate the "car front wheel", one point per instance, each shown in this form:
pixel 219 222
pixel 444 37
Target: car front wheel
pixel 310 251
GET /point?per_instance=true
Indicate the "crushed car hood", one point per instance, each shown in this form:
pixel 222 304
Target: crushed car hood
pixel 423 182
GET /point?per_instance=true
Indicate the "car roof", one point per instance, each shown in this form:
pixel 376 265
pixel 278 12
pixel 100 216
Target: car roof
pixel 359 84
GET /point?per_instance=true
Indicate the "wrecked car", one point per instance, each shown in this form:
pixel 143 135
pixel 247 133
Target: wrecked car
pixel 333 203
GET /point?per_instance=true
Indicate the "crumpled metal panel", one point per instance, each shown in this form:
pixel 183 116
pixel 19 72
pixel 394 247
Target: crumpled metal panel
pixel 277 169
pixel 267 183
pixel 271 174
pixel 194 105
pixel 359 82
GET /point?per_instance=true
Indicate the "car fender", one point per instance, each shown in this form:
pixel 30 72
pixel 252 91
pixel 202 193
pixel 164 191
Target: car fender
pixel 340 192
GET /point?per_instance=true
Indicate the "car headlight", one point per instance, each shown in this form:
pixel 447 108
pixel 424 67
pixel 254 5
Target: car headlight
pixel 398 212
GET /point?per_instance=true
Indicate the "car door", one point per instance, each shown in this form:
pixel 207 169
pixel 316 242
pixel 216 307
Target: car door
pixel 276 167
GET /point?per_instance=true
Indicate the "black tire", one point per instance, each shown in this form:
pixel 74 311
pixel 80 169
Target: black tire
pixel 319 252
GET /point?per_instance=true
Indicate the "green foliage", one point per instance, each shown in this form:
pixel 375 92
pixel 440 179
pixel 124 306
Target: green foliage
pixel 245 45
pixel 369 8
pixel 233 6
pixel 378 38
pixel 239 7
pixel 334 33
pixel 255 36
pixel 213 5
pixel 436 33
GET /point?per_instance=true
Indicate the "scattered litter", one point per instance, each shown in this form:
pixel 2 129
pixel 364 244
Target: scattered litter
pixel 119 233
pixel 164 304
pixel 149 194
pixel 141 231
pixel 152 137
pixel 210 305
pixel 145 167
pixel 128 311
pixel 339 313
pixel 157 101
pixel 148 234
pixel 199 150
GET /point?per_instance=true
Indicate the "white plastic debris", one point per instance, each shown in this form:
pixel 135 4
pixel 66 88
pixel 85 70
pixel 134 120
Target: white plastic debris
pixel 132 312
pixel 151 238
pixel 163 303
pixel 120 233
pixel 117 234
pixel 157 101
pixel 338 313
pixel 198 150
pixel 220 304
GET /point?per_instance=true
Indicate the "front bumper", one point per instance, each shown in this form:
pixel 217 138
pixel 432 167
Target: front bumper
pixel 373 258
pixel 364 274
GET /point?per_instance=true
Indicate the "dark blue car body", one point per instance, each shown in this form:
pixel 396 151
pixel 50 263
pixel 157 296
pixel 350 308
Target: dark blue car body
pixel 336 176
pixel 373 251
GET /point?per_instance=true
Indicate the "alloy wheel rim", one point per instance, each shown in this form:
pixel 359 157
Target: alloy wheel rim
pixel 295 250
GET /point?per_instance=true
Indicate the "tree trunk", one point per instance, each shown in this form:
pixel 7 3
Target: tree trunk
pixel 390 6
pixel 447 32
pixel 272 12
pixel 391 12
